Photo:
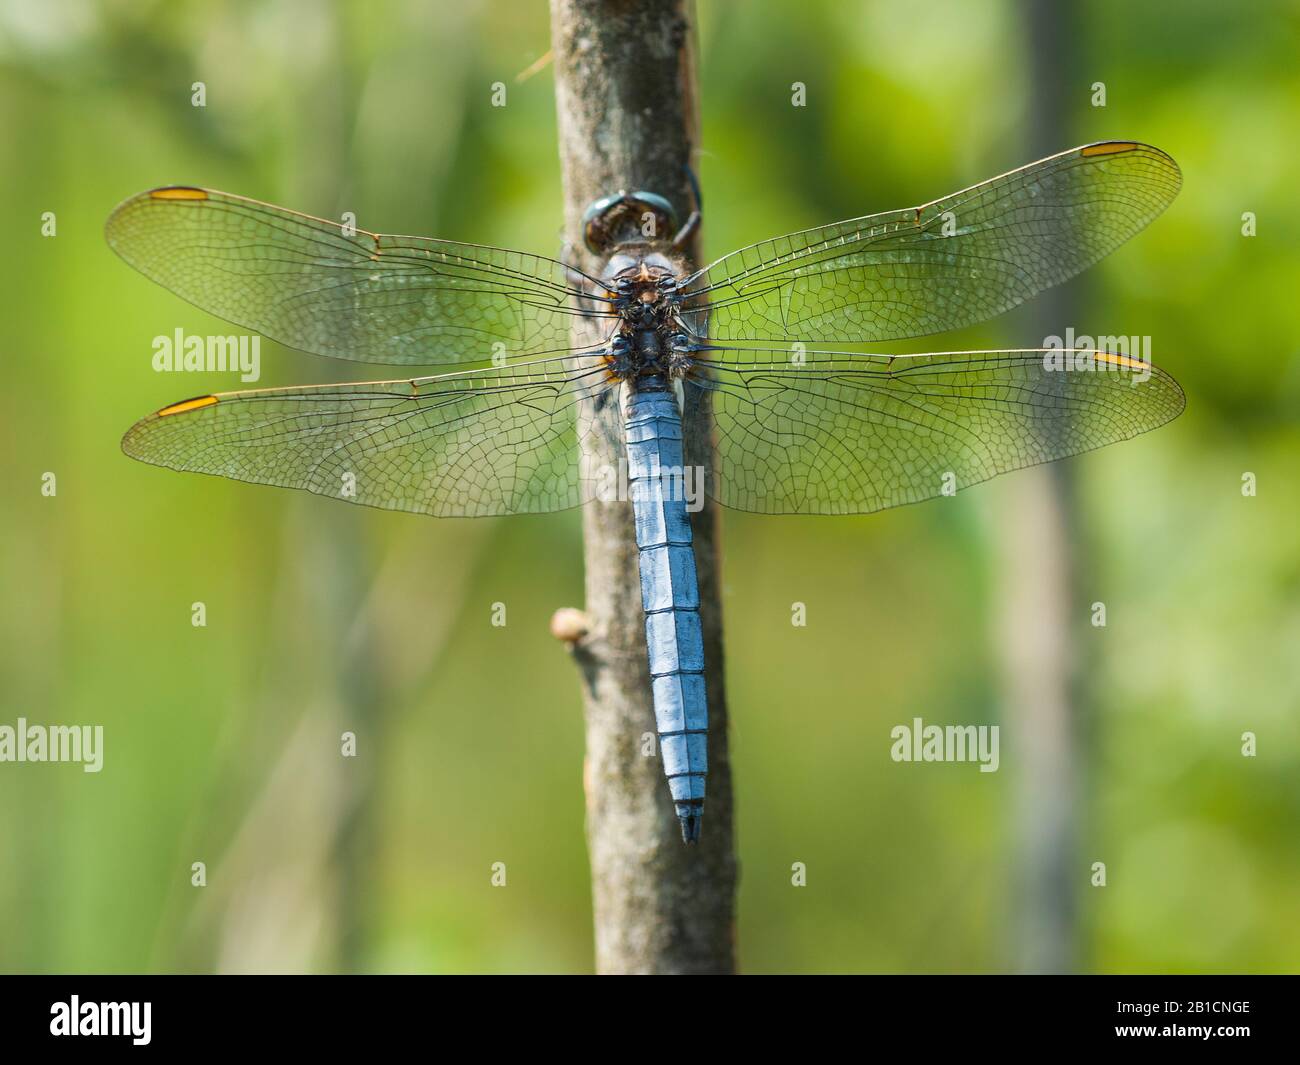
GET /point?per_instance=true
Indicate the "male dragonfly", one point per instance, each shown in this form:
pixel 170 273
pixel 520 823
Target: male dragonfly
pixel 795 430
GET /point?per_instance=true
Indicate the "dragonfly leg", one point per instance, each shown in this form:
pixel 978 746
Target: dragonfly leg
pixel 693 222
pixel 687 231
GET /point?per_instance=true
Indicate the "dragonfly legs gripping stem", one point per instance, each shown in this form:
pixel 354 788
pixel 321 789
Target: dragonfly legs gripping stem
pixel 688 230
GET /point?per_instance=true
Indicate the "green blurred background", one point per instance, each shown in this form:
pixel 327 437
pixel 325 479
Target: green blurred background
pixel 222 742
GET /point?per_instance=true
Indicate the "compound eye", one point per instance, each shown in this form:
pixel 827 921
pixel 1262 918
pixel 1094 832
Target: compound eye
pixel 595 232
pixel 661 207
pixel 627 218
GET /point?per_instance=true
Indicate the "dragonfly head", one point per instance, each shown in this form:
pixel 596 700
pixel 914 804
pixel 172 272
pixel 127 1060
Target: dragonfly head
pixel 628 218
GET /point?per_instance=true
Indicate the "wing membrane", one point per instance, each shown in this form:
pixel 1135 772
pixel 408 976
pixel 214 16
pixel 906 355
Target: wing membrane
pixel 459 445
pixel 373 297
pixel 850 434
pixel 944 265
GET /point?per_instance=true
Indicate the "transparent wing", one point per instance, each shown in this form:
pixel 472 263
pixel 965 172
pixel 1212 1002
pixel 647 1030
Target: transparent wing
pixel 468 444
pixel 850 434
pixel 946 264
pixel 372 297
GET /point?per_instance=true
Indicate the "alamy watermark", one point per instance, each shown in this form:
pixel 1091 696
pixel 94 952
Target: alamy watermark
pixel 1103 354
pixel 919 742
pixel 53 743
pixel 611 484
pixel 179 353
pixel 131 1019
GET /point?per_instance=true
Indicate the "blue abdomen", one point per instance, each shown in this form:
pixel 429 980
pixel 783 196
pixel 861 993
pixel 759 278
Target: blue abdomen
pixel 670 594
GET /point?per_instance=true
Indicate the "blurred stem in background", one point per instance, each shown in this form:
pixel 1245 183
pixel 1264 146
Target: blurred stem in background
pixel 340 567
pixel 323 836
pixel 291 890
pixel 1035 589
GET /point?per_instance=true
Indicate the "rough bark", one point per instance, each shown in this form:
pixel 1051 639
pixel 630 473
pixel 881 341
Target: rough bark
pixel 625 96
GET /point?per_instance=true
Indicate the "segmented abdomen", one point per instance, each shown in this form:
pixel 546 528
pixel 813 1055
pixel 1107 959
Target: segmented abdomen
pixel 669 592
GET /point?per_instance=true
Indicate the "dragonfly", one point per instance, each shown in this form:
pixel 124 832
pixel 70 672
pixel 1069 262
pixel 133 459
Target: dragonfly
pixel 796 426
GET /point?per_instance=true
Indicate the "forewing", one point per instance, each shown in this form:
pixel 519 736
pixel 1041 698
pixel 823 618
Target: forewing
pixel 944 265
pixel 372 297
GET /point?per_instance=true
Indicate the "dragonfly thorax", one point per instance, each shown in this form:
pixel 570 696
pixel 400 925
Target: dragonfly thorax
pixel 650 337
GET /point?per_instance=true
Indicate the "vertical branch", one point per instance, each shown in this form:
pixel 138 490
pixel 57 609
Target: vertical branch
pixel 625 96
